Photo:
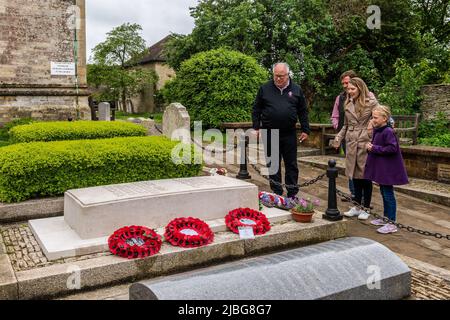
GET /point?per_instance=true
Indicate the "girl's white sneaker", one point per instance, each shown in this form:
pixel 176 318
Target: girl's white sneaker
pixel 353 212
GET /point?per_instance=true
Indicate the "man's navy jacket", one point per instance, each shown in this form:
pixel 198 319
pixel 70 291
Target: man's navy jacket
pixel 274 109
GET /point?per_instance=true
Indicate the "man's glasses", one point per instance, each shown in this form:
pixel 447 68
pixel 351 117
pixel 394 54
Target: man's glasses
pixel 280 76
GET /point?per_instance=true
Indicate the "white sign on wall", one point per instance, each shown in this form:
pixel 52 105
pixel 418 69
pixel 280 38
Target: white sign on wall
pixel 62 69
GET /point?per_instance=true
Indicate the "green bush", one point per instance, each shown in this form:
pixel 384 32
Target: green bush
pixel 57 131
pixel 402 92
pixel 4 135
pixel 436 127
pixel 217 86
pixel 40 169
pixel 441 141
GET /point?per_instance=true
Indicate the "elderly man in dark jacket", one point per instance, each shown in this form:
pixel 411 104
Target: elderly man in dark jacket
pixel 279 104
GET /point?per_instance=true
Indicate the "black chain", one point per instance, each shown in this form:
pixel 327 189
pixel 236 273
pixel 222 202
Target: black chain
pixel 387 220
pixel 290 186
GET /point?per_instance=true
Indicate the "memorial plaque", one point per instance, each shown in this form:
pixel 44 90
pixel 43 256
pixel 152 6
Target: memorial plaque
pixel 99 211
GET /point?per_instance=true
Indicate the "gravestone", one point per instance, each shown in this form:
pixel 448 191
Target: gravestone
pixel 104 111
pixel 176 123
pixel 93 214
pixel 344 269
pixel 148 124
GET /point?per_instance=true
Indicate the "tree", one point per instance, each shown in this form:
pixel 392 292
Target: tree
pixel 217 86
pixel 318 38
pixel 114 69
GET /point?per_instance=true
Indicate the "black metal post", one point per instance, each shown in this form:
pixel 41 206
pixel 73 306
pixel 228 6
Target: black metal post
pixel 243 172
pixel 332 213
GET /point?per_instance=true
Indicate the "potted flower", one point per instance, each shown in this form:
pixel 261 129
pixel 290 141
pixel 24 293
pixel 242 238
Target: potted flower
pixel 303 211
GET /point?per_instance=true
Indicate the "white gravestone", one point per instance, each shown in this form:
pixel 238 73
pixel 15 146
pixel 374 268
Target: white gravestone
pixel 104 111
pixel 177 123
pixel 93 214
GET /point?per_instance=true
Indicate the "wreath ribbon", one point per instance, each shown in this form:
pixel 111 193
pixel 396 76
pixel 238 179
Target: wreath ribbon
pixel 246 217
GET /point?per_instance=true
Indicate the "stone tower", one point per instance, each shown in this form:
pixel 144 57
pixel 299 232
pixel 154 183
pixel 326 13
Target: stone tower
pixel 43 60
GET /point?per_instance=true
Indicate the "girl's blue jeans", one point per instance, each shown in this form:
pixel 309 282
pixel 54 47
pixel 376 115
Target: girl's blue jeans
pixel 389 202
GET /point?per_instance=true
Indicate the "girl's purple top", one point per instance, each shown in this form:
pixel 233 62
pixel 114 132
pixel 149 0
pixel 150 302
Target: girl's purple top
pixel 384 163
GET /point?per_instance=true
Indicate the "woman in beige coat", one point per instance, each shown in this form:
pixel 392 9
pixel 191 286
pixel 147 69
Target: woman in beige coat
pixel 357 132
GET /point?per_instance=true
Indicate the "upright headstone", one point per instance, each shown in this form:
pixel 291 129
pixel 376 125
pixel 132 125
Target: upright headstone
pixel 344 269
pixel 104 111
pixel 177 123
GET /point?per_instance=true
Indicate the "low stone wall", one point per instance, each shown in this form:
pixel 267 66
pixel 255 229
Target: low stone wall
pixel 49 108
pixel 436 98
pixel 430 163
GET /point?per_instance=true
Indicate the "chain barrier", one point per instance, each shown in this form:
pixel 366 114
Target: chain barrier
pixel 289 186
pixel 400 226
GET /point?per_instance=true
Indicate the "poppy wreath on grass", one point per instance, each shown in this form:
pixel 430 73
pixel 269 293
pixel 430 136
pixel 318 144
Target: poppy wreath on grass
pixel 134 242
pixel 246 217
pixel 188 233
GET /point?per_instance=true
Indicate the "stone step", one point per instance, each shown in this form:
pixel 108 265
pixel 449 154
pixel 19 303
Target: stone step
pixel 433 191
pixel 53 280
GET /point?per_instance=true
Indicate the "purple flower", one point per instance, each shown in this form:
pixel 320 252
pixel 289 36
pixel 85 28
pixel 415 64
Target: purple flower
pixel 316 202
pixel 303 203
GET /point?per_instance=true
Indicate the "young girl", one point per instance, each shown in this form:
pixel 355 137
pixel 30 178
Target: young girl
pixel 385 165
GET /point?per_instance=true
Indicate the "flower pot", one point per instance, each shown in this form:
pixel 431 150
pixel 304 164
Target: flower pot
pixel 305 217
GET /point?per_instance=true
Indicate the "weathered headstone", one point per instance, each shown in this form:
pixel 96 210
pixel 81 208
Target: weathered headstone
pixel 176 123
pixel 104 111
pixel 148 124
pixel 349 268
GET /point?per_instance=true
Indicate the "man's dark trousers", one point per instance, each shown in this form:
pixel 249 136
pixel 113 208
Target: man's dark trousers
pixel 287 152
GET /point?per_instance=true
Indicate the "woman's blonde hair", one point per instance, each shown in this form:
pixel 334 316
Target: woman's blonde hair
pixel 363 91
pixel 383 110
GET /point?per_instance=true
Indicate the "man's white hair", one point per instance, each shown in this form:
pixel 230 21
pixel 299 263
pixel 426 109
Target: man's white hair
pixel 283 64
pixel 289 72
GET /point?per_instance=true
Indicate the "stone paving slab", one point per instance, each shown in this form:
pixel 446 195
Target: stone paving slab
pixel 432 191
pixel 49 280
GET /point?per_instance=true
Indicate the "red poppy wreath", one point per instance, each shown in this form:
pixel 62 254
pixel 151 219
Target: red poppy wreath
pixel 134 242
pixel 188 233
pixel 246 217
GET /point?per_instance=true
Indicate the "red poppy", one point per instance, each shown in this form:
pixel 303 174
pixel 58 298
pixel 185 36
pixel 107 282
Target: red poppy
pixel 188 233
pixel 246 217
pixel 134 242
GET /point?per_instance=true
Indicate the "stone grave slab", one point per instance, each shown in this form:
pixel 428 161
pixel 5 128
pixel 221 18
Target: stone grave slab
pixel 96 212
pixel 343 269
pixel 93 214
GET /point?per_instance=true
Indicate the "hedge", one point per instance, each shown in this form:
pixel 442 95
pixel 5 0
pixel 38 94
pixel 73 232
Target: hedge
pixel 78 130
pixel 42 169
pixel 442 141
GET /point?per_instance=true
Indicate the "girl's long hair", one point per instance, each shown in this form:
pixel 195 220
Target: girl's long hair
pixel 363 91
